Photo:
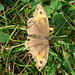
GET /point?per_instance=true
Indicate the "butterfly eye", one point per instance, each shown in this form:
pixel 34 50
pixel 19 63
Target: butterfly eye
pixel 40 12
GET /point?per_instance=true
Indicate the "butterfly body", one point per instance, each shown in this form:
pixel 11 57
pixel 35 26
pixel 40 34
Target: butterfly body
pixel 38 45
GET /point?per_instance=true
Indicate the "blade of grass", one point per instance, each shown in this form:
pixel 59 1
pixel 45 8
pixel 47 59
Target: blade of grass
pixel 5 20
pixel 9 38
pixel 5 27
pixel 67 21
pixel 68 3
pixel 69 64
pixel 5 11
pixel 13 7
pixel 67 61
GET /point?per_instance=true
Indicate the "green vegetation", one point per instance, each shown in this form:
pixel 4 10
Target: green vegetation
pixel 15 59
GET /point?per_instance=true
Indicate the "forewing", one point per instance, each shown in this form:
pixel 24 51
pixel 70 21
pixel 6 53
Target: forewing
pixel 33 28
pixel 38 25
pixel 39 49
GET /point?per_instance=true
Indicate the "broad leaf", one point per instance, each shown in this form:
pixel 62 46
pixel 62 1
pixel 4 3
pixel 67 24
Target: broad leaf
pixel 3 37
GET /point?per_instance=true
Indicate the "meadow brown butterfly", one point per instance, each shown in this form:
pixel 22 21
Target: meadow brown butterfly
pixel 38 44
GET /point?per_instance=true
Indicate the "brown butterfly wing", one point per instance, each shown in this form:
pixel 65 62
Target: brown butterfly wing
pixel 33 28
pixel 39 49
pixel 38 46
pixel 38 25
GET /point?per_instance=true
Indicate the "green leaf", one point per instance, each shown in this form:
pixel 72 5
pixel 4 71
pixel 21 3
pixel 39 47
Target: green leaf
pixel 34 3
pixel 24 1
pixel 3 37
pixel 48 10
pixel 1 7
pixel 56 4
pixel 9 1
pixel 59 20
pixel 51 23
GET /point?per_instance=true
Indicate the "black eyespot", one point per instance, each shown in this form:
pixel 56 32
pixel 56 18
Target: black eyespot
pixel 41 62
pixel 40 12
pixel 28 39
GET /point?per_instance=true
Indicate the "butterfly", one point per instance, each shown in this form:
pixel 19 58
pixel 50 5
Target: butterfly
pixel 38 44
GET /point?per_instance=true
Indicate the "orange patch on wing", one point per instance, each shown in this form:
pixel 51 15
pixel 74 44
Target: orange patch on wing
pixel 40 55
pixel 42 20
